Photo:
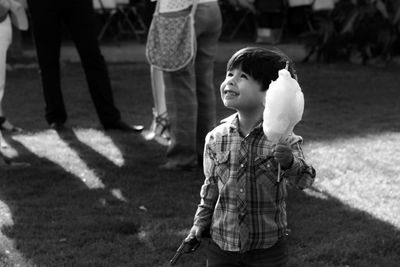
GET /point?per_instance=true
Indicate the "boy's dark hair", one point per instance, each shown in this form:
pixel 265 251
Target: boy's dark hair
pixel 261 64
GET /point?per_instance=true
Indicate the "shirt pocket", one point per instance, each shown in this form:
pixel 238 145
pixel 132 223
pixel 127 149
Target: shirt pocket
pixel 222 166
pixel 266 170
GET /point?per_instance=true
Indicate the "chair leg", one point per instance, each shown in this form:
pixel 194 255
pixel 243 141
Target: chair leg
pixel 128 15
pixel 241 21
pixel 109 20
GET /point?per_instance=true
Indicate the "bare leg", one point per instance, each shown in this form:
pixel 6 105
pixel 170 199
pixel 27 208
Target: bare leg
pixel 159 129
pixel 5 41
pixel 158 90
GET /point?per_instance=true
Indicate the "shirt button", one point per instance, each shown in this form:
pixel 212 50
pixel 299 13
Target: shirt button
pixel 242 165
pixel 269 165
pixel 241 190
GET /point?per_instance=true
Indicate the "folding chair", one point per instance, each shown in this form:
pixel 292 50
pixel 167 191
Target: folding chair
pixel 235 17
pixel 122 16
pixel 131 20
pixel 107 9
pixel 270 20
pixel 317 14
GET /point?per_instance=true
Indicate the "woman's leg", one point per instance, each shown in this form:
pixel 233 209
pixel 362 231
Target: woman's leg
pixel 158 90
pixel 5 41
pixel 159 128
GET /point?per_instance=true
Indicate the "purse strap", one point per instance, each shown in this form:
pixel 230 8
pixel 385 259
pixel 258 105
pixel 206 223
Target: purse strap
pixel 194 6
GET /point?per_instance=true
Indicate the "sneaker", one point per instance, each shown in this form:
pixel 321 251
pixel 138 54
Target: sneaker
pixel 123 127
pixel 169 166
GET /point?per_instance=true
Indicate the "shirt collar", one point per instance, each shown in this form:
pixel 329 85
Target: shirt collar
pixel 233 121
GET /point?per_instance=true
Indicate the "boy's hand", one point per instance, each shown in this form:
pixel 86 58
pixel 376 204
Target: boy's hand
pixel 283 155
pixel 196 231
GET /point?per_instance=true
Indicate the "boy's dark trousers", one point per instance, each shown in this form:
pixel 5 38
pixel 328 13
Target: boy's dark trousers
pixel 274 256
pixel 49 17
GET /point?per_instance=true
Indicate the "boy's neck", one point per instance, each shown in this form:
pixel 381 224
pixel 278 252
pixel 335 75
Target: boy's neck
pixel 247 121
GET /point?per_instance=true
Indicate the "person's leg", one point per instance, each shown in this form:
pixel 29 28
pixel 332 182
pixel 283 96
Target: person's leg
pixel 180 91
pixel 159 128
pixel 217 257
pixel 79 18
pixel 158 90
pixel 5 41
pixel 46 30
pixel 185 103
pixel 208 30
pixel 275 256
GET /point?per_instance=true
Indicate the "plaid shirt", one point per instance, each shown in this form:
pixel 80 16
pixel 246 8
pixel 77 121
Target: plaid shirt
pixel 241 198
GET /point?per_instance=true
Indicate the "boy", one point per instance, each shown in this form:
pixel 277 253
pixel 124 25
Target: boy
pixel 242 199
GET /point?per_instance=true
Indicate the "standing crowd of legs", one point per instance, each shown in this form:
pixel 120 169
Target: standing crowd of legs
pixel 184 100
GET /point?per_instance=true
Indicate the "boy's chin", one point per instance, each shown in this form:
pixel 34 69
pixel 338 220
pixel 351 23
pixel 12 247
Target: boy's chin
pixel 228 103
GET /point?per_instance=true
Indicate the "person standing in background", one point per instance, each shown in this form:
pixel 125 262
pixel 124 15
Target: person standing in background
pixel 190 93
pixel 78 16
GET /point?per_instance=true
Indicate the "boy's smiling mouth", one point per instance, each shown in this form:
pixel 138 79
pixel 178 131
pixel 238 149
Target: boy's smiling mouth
pixel 230 92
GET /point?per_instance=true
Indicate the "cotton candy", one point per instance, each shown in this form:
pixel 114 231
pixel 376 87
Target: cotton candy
pixel 284 106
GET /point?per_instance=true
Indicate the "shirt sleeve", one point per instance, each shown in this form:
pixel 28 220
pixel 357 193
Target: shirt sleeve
pixel 209 191
pixel 301 175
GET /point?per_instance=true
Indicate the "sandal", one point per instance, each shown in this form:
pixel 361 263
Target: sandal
pixel 5 125
pixel 159 129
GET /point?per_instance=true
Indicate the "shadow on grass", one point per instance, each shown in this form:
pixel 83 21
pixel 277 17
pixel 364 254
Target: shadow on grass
pixel 58 221
pixel 326 232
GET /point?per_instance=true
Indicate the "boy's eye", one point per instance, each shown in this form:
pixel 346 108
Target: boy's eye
pixel 229 74
pixel 244 76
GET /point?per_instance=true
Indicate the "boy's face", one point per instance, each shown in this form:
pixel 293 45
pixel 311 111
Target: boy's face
pixel 241 92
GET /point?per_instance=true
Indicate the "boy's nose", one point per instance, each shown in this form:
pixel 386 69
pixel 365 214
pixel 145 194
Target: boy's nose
pixel 231 80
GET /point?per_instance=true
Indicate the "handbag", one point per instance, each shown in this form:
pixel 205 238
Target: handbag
pixel 171 41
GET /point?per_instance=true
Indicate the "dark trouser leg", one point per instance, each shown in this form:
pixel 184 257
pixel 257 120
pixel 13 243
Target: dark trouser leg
pixel 80 21
pixel 217 257
pixel 207 43
pixel 182 111
pixel 46 30
pixel 190 93
pixel 275 256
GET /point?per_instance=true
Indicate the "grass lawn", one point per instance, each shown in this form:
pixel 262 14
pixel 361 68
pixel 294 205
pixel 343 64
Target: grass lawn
pixel 95 198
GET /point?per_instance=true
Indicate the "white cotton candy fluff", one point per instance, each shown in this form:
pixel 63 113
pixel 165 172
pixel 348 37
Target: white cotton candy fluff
pixel 284 106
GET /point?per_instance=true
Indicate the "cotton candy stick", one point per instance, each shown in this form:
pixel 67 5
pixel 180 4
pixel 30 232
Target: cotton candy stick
pixel 284 106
